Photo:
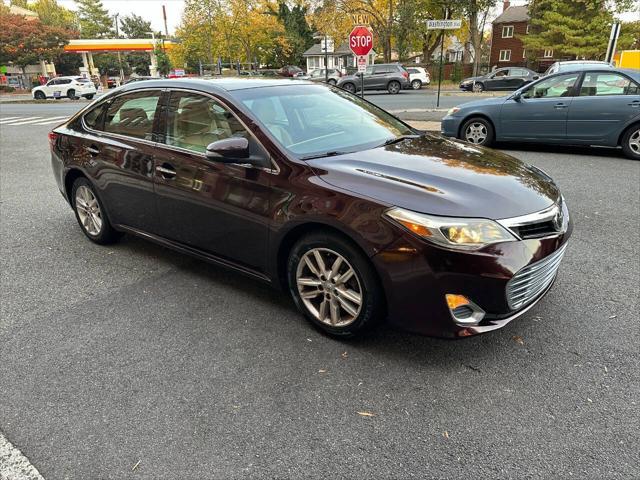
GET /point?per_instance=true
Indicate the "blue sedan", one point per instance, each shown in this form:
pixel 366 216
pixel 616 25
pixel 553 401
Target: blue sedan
pixel 591 107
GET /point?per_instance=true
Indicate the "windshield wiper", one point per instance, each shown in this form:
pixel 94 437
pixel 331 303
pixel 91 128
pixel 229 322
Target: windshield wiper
pixel 331 153
pixel 399 139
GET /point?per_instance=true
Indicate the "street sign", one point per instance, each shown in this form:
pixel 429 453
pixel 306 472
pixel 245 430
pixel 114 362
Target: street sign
pixel 361 40
pixel 444 24
pixel 361 61
pixel 179 72
pixel 360 19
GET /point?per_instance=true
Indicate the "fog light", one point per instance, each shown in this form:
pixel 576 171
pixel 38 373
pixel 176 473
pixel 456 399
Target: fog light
pixel 463 310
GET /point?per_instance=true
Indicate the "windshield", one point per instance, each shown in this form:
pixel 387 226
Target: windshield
pixel 311 120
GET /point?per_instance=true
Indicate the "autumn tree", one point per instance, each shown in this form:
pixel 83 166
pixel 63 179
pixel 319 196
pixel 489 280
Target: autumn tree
pixel 95 21
pixel 27 41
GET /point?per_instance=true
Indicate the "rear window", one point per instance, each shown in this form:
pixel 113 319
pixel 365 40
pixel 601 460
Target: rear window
pixel 412 70
pixel 132 114
pixel 81 80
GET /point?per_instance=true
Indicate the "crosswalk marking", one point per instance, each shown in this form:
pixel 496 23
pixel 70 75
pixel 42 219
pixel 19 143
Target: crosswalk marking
pixel 17 121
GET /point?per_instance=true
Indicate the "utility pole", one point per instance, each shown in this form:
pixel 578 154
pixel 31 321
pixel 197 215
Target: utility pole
pixel 164 16
pixel 119 58
pixel 326 60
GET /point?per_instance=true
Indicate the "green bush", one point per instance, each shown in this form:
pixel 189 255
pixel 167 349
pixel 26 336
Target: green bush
pixel 457 72
pixel 7 89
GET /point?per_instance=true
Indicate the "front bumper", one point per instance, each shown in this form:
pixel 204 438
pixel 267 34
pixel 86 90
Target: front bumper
pixel 417 275
pixel 450 126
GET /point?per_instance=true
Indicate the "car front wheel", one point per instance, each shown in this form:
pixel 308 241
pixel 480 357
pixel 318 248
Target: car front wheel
pixel 71 93
pixel 334 285
pixel 416 84
pixel 394 87
pixel 478 87
pixel 90 213
pixel 631 142
pixel 478 131
pixel 89 97
pixel 331 81
pixel 349 87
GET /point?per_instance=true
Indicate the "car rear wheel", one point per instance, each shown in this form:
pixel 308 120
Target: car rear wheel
pixel 478 87
pixel 88 97
pixel 331 81
pixel 71 93
pixel 349 87
pixel 478 131
pixel 631 142
pixel 334 285
pixel 90 213
pixel 416 84
pixel 39 95
pixel 394 87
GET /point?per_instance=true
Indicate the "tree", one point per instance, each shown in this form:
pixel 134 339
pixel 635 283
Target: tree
pixel 475 13
pixel 95 21
pixel 24 42
pixel 576 28
pixel 629 36
pixel 297 32
pixel 51 13
pixel 134 26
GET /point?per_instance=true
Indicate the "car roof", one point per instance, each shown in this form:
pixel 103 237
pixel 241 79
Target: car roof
pixel 212 84
pixel 566 62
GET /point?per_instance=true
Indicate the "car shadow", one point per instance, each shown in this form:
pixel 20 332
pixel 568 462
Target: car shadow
pixel 562 149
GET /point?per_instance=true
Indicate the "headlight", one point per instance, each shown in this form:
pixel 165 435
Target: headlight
pixel 453 110
pixel 462 233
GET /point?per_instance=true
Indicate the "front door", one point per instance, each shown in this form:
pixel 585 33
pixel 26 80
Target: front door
pixel 540 114
pixel 498 80
pixel 607 101
pixel 220 208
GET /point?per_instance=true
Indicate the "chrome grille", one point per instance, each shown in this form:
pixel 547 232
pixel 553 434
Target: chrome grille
pixel 532 280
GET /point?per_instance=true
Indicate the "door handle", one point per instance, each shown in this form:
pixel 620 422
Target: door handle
pixel 560 105
pixel 93 150
pixel 635 103
pixel 166 171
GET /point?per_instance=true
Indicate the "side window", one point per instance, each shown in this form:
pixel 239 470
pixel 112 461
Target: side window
pixel 517 72
pixel 63 81
pixel 560 86
pixel 501 73
pixel 132 114
pixel 194 121
pixel 381 70
pixel 94 118
pixel 51 83
pixel 597 84
pixel 369 70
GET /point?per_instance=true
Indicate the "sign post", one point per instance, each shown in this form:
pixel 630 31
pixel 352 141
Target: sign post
pixel 442 25
pixel 361 43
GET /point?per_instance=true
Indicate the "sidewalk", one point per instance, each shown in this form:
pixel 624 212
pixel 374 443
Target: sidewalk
pixel 422 125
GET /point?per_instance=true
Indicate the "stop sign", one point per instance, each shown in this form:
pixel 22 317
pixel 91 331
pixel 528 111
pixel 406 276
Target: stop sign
pixel 361 40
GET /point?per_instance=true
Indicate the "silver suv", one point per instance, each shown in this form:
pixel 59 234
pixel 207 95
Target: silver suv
pixel 576 65
pixel 391 77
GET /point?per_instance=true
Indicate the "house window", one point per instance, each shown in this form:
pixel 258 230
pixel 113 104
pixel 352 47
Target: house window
pixel 548 54
pixel 507 31
pixel 528 29
pixel 505 55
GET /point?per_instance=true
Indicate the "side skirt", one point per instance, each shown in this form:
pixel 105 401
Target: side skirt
pixel 194 252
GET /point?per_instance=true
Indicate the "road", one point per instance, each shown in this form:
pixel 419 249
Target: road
pixel 132 361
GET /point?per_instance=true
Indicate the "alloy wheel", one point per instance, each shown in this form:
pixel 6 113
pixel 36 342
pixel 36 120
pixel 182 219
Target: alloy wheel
pixel 634 142
pixel 394 87
pixel 478 88
pixel 88 211
pixel 416 84
pixel 329 287
pixel 350 87
pixel 476 133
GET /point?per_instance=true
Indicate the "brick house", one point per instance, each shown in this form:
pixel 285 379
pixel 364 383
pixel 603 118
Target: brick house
pixel 506 48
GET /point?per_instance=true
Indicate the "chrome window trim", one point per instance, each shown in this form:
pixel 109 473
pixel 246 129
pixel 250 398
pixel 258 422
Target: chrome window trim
pixel 273 171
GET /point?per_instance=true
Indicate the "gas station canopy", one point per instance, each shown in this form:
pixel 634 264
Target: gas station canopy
pixel 105 45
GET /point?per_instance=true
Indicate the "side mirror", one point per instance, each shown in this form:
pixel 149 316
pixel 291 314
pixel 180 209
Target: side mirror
pixel 228 150
pixel 536 77
pixel 517 96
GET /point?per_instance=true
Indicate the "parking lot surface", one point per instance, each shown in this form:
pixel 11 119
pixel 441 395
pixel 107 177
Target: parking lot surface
pixel 132 361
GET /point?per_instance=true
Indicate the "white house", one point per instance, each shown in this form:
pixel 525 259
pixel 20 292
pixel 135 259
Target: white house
pixel 340 58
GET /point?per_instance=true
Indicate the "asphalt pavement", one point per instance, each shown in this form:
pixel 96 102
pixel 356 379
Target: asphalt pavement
pixel 132 361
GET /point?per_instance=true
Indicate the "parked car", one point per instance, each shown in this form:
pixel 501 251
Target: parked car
pixel 268 73
pixel 140 79
pixel 113 82
pixel 510 78
pixel 318 75
pixel 70 87
pixel 290 71
pixel 576 65
pixel 354 213
pixel 418 77
pixel 590 107
pixel 392 77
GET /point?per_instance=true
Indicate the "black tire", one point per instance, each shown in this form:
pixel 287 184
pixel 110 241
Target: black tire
pixel 89 97
pixel 394 87
pixel 331 82
pixel 416 84
pixel 71 93
pixel 480 128
pixel 372 307
pixel 349 87
pixel 39 95
pixel 630 142
pixel 106 234
pixel 477 87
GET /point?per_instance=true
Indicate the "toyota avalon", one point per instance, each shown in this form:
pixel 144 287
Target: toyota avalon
pixel 358 216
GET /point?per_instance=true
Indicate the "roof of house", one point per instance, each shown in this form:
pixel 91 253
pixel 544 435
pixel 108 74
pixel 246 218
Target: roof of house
pixel 15 10
pixel 316 50
pixel 514 14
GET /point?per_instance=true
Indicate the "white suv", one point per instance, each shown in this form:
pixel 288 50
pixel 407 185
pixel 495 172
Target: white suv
pixel 418 76
pixel 70 87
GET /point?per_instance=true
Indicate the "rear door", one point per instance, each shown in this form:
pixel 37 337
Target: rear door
pixel 517 77
pixel 541 112
pixel 119 149
pixel 606 103
pixel 220 208
pixel 380 77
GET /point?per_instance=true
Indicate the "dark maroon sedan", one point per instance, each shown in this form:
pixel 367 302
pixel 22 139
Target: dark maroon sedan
pixel 312 189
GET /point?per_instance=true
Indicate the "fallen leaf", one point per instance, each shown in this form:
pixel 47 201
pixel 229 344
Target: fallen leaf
pixel 136 465
pixel 309 340
pixel 322 371
pixel 612 316
pixel 366 414
pixel 518 339
pixel 589 400
pixel 445 434
pixel 344 354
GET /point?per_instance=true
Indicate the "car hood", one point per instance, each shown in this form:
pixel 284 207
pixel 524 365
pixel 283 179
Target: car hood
pixel 470 79
pixel 439 176
pixel 484 102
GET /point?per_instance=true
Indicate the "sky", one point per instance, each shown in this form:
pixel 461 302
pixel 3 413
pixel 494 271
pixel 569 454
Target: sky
pixel 152 10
